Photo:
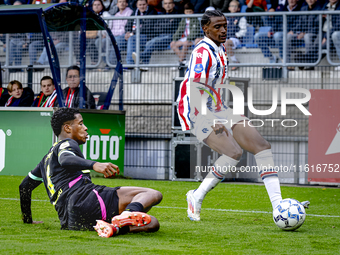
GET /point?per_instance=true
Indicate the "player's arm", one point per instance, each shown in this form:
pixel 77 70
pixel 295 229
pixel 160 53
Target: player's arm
pixel 25 189
pixel 68 157
pixel 200 65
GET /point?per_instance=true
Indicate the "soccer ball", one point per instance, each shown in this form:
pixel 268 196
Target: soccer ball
pixel 289 214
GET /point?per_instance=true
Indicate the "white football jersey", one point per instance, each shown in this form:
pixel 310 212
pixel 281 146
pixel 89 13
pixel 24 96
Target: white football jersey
pixel 208 64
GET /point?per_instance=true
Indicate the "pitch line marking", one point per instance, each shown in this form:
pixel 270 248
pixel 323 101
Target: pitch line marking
pixel 204 209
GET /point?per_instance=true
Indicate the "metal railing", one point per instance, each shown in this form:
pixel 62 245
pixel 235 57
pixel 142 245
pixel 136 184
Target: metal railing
pixel 96 51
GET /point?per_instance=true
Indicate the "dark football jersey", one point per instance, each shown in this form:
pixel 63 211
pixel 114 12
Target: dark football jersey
pixel 62 170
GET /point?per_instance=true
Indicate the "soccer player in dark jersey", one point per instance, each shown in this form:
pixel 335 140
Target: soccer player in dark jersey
pixel 80 203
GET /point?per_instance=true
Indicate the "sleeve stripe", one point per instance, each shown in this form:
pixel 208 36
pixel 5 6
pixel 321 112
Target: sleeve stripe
pixel 63 152
pixel 181 107
pixel 32 176
pixel 208 67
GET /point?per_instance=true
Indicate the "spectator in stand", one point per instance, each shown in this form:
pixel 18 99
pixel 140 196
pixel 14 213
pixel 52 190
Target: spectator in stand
pixel 165 28
pixel 305 31
pixel 236 29
pixel 157 5
pixel 3 94
pixel 188 30
pixel 110 6
pixel 132 4
pixel 179 5
pixel 117 28
pixel 17 43
pixel 275 36
pixel 71 93
pixel 333 5
pixel 146 29
pixel 60 41
pixel 256 6
pixel 199 5
pixel 48 94
pixel 36 42
pixel 221 5
pixel 17 95
pixel 92 36
pixel 14 2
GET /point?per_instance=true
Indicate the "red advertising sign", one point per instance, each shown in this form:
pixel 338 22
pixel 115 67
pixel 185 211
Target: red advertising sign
pixel 324 137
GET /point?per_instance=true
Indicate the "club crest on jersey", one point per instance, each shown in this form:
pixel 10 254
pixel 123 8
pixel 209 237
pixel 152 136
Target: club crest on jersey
pixel 198 68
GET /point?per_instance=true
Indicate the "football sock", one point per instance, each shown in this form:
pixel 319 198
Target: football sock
pixel 134 207
pixel 265 163
pixel 217 173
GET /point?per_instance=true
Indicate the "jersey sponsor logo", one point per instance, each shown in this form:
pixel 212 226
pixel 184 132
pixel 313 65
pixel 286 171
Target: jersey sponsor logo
pixel 2 149
pixel 64 145
pixel 198 68
pixel 334 147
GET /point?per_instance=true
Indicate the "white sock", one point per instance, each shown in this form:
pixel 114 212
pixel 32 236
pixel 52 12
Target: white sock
pixel 217 173
pixel 265 163
pixel 233 58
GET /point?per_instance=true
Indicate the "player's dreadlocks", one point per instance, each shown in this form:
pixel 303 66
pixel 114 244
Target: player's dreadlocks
pixel 208 14
pixel 60 117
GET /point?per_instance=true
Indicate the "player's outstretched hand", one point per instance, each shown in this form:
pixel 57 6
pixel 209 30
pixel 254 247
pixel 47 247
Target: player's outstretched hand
pixel 219 129
pixel 107 169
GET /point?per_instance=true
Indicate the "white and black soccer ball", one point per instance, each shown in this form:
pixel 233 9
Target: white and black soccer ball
pixel 289 214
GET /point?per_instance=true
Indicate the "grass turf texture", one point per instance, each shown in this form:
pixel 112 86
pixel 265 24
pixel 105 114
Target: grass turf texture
pixel 218 232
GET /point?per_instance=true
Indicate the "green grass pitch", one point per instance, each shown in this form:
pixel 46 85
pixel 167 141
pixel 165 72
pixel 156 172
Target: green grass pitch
pixel 235 219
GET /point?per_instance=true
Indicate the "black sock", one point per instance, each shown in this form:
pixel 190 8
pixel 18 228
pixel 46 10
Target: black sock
pixel 124 230
pixel 134 207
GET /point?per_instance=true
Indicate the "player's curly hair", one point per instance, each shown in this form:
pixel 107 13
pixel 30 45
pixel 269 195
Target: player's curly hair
pixel 61 116
pixel 207 15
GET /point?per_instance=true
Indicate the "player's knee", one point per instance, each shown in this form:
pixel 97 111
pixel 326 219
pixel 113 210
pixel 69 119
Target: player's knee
pixel 265 145
pixel 158 196
pixel 237 153
pixel 154 225
pixel 234 153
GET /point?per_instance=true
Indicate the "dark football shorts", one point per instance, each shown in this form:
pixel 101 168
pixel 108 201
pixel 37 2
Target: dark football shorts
pixel 90 203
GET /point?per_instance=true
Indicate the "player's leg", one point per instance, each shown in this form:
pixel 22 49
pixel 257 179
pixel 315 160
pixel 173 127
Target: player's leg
pixel 184 51
pixel 222 142
pixel 133 202
pixel 175 47
pixel 251 140
pixel 137 199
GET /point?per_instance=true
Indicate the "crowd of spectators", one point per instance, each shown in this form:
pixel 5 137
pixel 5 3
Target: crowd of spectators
pixel 16 95
pixel 181 35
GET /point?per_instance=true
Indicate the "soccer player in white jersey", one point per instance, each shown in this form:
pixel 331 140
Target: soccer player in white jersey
pixel 207 64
